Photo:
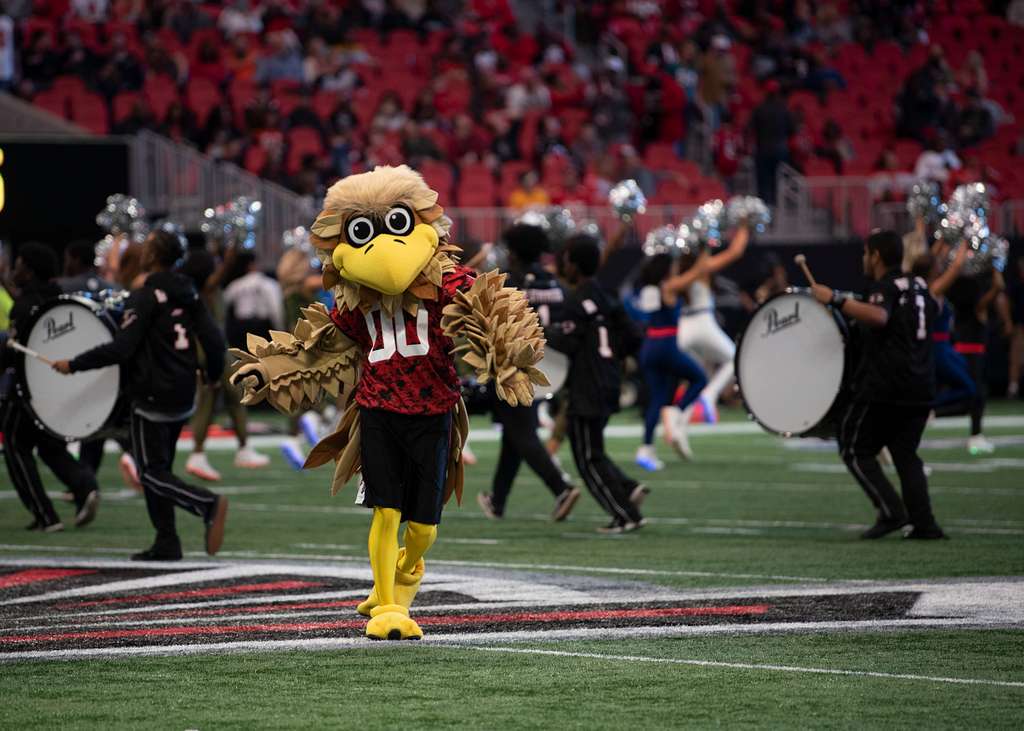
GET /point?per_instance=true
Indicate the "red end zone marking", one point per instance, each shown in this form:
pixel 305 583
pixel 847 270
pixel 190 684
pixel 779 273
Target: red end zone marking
pixel 31 576
pixel 246 610
pixel 193 593
pixel 428 620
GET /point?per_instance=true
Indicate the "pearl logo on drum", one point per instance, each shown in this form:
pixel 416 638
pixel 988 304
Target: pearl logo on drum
pixel 54 329
pixel 775 322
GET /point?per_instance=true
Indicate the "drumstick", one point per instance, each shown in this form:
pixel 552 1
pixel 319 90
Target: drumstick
pixel 28 351
pixel 801 261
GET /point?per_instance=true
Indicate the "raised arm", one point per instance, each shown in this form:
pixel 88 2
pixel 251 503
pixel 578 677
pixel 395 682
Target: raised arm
pixel 944 281
pixel 736 248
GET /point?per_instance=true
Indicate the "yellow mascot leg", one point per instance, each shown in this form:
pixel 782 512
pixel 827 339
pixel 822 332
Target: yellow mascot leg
pixel 419 537
pixel 390 621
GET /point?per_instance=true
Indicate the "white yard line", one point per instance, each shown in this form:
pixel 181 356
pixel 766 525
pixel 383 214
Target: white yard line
pixel 751 666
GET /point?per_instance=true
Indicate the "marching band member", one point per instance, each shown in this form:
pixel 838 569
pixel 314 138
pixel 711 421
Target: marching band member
pixel 34 268
pixel 156 343
pixel 893 388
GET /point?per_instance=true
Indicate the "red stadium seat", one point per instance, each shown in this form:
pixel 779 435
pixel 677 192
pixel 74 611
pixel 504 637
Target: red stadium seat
pixel 124 103
pixel 201 96
pixel 160 92
pixel 53 101
pixel 302 141
pixel 90 111
pixel 255 159
pixel 439 177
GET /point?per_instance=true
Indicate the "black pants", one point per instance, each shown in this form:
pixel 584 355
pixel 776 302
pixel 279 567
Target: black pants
pixel 976 367
pixel 153 444
pixel 519 441
pixel 21 438
pixel 605 481
pixel 91 453
pixel 867 427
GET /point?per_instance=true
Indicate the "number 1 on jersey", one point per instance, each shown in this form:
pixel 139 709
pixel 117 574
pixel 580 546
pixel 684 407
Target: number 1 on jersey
pixel 922 328
pixel 181 342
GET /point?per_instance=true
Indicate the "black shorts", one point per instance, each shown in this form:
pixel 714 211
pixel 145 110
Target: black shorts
pixel 405 459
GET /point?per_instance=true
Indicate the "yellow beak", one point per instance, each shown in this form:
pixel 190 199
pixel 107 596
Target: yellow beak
pixel 389 263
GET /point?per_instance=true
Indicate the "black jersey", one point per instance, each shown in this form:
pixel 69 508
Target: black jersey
pixel 28 301
pixel 157 342
pixel 897 363
pixel 543 291
pixel 590 334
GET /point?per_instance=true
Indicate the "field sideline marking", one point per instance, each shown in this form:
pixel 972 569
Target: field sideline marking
pixel 747 666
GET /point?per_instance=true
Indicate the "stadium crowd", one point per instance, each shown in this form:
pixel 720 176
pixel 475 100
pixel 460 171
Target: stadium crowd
pixel 497 112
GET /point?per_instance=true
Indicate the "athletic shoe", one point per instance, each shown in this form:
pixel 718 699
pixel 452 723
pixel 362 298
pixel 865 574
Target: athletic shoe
pixel 927 533
pixel 883 528
pixel 630 526
pixel 468 458
pixel 978 444
pixel 87 510
pixel 647 459
pixel 154 554
pixel 249 459
pixel 129 472
pixel 616 526
pixel 483 499
pixel 215 528
pixel 53 527
pixel 885 457
pixel 680 439
pixel 293 454
pixel 200 466
pixel 564 503
pixel 310 425
pixel 638 495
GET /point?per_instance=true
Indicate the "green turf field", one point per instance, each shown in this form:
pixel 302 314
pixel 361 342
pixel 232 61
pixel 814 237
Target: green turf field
pixel 749 512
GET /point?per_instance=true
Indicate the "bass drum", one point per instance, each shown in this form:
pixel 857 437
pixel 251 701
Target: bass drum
pixel 793 365
pixel 555 366
pixel 77 406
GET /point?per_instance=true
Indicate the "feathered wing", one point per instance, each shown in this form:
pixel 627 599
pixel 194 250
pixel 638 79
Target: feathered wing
pixel 502 337
pixel 300 368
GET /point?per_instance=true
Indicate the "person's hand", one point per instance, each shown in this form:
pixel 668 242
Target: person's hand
pixel 62 366
pixel 822 293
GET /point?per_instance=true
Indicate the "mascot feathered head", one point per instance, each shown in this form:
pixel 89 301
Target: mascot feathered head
pixel 380 230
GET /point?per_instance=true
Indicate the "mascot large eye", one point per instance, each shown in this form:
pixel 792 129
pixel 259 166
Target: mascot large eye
pixel 359 231
pixel 399 220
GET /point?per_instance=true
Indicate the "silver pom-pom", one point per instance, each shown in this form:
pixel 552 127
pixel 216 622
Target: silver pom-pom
pixel 298 238
pixel 924 200
pixel 983 255
pixel 104 247
pixel 123 215
pixel 970 197
pixel 748 209
pixel 561 226
pixel 234 223
pixel 175 229
pixel 661 240
pixel 687 241
pixel 534 217
pixel 707 222
pixel 627 199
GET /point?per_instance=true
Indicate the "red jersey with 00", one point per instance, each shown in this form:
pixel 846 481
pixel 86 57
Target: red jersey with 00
pixel 407 361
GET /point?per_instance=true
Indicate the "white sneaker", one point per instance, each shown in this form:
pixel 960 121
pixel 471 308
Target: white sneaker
pixel 680 439
pixel 647 459
pixel 978 444
pixel 249 458
pixel 129 472
pixel 200 466
pixel 310 425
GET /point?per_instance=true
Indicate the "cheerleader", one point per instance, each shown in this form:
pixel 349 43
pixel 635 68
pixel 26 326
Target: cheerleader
pixel 699 333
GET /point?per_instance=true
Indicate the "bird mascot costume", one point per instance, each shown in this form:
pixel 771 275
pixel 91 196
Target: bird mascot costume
pixel 388 348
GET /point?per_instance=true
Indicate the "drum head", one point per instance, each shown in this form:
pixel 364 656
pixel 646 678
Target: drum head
pixel 555 366
pixel 790 363
pixel 75 406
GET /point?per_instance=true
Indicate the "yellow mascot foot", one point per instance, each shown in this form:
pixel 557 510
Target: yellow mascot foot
pixel 392 622
pixel 406 586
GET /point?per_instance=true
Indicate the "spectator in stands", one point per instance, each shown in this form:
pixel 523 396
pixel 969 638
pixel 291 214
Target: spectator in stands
pixel 77 59
pixel 240 17
pixel 771 124
pixel 120 70
pixel 527 95
pixel 834 146
pixel 612 115
pixel 588 145
pixel 284 62
pixel 139 118
pixel 467 143
pixel 185 18
pixel 424 109
pixel 389 116
pixel 6 52
pixel 383 149
pixel 417 146
pixel 242 59
pixel 975 123
pixel 972 76
pixel 718 76
pixel 209 64
pixel 504 139
pixel 91 11
pixel 728 149
pixel 831 26
pixel 179 124
pixel 631 166
pixel 936 161
pixel 550 140
pixel 529 193
pixel 40 63
pixel 321 20
pixel 342 153
pixel 319 60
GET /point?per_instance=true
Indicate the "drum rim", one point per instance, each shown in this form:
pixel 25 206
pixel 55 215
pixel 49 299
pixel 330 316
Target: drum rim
pixel 20 380
pixel 844 332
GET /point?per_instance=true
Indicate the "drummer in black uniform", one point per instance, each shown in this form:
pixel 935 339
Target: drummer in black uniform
pixel 893 388
pixel 162 322
pixel 34 269
pixel 519 440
